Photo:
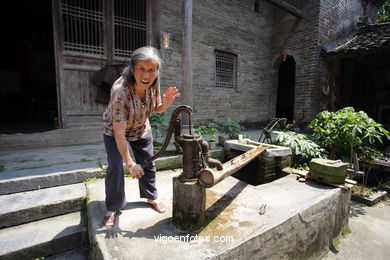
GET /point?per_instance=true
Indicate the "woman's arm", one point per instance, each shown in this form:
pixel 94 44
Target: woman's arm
pixel 119 132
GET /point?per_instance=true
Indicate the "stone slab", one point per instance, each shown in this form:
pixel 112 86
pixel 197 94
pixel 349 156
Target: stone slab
pixel 371 200
pixel 43 238
pixel 300 222
pixel 245 145
pixel 29 206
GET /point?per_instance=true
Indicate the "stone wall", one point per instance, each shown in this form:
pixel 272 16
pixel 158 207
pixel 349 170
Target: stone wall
pixel 338 23
pixel 323 22
pixel 299 37
pixel 231 26
pixel 257 38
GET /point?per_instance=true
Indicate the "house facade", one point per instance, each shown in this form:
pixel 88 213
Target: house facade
pixel 252 60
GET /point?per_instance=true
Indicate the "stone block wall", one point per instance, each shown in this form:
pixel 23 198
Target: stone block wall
pixel 257 38
pixel 299 37
pixel 323 21
pixel 338 23
pixel 231 26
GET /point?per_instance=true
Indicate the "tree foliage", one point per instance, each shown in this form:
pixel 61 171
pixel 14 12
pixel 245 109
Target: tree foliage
pixel 383 15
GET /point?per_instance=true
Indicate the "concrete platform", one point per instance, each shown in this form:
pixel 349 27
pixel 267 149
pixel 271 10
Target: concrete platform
pixel 300 222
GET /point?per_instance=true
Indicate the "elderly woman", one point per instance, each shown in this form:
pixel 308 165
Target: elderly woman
pixel 134 97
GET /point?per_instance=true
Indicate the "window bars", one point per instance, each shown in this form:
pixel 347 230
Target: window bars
pixel 83 26
pixel 225 70
pixel 130 26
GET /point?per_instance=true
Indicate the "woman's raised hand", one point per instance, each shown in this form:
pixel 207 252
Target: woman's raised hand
pixel 169 97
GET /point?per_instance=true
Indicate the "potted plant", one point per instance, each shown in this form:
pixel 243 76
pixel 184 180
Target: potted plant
pixel 212 131
pixel 232 128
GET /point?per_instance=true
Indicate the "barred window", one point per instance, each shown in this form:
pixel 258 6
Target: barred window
pixel 130 26
pixel 85 22
pixel 225 70
pixel 83 26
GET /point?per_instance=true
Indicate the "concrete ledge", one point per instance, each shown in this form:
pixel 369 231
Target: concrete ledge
pixel 247 144
pixel 29 206
pixel 300 222
pixel 59 137
pixel 43 238
pixel 10 184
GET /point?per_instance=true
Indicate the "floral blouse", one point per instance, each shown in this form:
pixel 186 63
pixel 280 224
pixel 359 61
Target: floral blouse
pixel 126 106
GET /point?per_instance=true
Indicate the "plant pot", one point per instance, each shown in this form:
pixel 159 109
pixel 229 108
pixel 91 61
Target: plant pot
pixel 212 144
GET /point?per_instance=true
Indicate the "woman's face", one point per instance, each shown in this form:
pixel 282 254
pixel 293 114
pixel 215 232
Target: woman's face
pixel 145 72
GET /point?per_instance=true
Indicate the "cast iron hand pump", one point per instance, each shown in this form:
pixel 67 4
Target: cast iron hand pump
pixel 195 148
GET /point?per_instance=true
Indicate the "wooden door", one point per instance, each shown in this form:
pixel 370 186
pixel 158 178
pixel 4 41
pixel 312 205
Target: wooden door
pixel 90 36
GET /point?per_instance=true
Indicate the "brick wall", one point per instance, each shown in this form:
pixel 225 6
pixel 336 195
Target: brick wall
pixel 231 26
pixel 337 23
pixel 257 39
pixel 299 37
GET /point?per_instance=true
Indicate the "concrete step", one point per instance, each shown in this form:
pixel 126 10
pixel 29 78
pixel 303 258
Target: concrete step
pixel 19 208
pixel 25 181
pixel 43 237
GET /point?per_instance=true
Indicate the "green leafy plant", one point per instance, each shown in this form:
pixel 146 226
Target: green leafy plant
pixel 200 130
pixel 212 131
pixel 302 147
pixel 232 128
pixel 157 123
pixel 346 132
pixel 383 15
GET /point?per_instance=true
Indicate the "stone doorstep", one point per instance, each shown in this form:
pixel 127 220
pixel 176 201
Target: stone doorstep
pixel 24 207
pixel 369 201
pixel 43 237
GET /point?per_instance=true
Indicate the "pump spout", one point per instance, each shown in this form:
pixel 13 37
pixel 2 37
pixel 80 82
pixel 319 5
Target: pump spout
pixel 174 127
pixel 210 161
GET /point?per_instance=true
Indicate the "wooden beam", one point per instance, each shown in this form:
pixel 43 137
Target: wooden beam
pixel 58 38
pixel 153 23
pixel 108 30
pixel 187 89
pixel 287 7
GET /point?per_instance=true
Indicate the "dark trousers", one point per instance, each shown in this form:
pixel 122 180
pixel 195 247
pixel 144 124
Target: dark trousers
pixel 114 180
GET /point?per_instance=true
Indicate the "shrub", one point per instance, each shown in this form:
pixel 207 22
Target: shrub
pixel 303 149
pixel 232 128
pixel 346 131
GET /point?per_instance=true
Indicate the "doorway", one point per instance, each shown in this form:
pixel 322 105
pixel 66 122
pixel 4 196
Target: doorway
pixel 286 89
pixel 28 97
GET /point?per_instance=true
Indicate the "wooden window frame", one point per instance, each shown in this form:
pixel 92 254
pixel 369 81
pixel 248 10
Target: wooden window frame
pixel 109 50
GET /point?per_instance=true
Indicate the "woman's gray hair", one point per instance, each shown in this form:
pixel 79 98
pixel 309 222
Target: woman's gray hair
pixel 142 54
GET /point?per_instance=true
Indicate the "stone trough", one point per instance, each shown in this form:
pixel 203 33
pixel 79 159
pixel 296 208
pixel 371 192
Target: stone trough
pixel 280 219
